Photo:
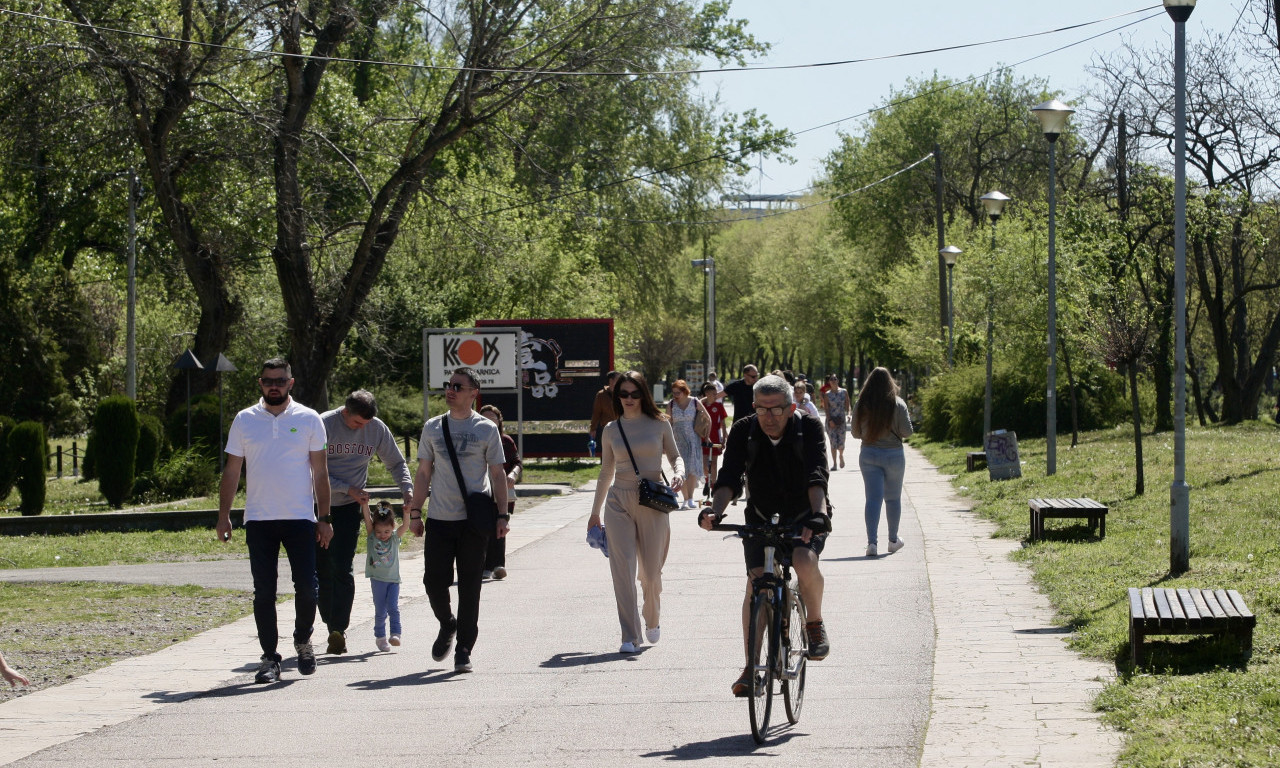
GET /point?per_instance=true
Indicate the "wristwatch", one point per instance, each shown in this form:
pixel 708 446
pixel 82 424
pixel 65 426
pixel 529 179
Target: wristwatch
pixel 325 519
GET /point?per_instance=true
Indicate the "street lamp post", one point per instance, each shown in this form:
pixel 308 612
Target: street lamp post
pixel 709 271
pixel 1179 491
pixel 949 254
pixel 994 202
pixel 1053 116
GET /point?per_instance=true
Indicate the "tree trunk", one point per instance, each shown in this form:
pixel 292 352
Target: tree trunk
pixel 1162 376
pixel 1071 386
pixel 1139 484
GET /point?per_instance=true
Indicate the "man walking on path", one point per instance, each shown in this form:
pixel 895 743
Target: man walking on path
pixel 471 448
pixel 739 391
pixel 355 435
pixel 280 443
pixel 602 410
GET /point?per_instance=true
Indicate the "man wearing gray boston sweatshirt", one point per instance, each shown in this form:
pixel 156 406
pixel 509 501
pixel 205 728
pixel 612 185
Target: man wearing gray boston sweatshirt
pixel 355 436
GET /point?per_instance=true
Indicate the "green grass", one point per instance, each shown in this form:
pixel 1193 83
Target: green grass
pixel 111 548
pixel 574 472
pixel 55 632
pixel 1197 702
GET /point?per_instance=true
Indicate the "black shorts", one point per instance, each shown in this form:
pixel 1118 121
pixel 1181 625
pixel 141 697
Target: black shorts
pixel 753 549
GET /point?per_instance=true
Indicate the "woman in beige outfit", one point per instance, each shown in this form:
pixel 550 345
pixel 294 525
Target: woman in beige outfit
pixel 638 536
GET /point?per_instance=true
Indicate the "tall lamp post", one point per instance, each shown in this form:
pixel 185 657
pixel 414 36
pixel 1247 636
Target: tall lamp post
pixel 1053 116
pixel 709 273
pixel 994 202
pixel 1179 491
pixel 949 254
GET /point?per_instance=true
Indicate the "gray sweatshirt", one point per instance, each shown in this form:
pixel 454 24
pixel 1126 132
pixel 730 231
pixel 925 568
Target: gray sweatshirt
pixel 900 429
pixel 349 452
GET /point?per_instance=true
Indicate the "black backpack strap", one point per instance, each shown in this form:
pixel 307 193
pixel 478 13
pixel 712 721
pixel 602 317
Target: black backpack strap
pixel 453 457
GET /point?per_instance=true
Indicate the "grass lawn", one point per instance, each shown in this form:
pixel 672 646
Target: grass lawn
pixel 1197 702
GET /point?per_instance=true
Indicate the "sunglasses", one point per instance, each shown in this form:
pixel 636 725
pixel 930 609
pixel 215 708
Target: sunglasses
pixel 629 394
pixel 280 382
pixel 451 386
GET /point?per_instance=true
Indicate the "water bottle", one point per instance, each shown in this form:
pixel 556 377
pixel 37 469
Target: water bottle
pixel 591 446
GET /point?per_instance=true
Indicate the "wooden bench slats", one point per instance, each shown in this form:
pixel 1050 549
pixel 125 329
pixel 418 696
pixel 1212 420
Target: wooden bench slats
pixel 1136 612
pixel 1095 511
pixel 1162 607
pixel 1188 605
pixel 1175 607
pixel 1238 602
pixel 1149 606
pixel 1201 606
pixel 1211 600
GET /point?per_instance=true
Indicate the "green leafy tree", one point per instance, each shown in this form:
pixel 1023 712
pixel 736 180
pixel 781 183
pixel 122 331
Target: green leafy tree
pixel 116 427
pixel 27 451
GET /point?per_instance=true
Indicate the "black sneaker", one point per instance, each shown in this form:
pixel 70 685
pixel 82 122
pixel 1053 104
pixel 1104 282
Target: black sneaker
pixel 462 660
pixel 268 670
pixel 306 658
pixel 337 643
pixel 819 645
pixel 444 640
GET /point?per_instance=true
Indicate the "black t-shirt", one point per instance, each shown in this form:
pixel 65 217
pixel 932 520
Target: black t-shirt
pixel 780 476
pixel 740 393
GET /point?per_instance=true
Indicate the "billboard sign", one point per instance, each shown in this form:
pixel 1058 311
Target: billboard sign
pixel 489 353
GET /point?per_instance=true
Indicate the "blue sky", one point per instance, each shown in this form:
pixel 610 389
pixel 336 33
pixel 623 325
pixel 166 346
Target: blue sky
pixel 812 31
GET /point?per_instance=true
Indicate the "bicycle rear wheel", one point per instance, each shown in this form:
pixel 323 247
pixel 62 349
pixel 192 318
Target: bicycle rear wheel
pixel 795 652
pixel 762 654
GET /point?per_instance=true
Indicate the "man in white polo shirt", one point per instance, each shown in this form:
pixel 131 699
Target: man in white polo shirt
pixel 281 445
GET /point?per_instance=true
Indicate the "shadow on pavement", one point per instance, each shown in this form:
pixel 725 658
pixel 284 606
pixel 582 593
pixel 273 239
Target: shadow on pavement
pixel 240 689
pixel 738 744
pixel 566 660
pixel 417 678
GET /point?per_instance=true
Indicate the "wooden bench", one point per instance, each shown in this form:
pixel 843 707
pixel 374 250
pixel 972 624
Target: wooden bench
pixel 1160 611
pixel 1096 513
pixel 972 458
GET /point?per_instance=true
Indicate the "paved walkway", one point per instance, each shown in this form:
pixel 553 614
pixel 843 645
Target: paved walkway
pixel 943 655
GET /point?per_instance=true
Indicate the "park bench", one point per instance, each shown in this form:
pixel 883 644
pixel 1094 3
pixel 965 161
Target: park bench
pixel 972 458
pixel 1161 611
pixel 1096 513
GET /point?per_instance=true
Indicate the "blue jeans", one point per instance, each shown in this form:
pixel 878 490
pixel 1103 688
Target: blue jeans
pixel 882 471
pixel 386 602
pixel 264 538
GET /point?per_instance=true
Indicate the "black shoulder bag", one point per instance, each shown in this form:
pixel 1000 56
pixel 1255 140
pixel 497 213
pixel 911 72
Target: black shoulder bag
pixel 482 510
pixel 653 494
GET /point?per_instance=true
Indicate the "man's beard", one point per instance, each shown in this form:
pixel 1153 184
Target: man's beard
pixel 279 399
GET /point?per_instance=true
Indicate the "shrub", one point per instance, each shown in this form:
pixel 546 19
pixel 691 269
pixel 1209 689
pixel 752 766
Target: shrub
pixel 186 473
pixel 89 464
pixel 6 466
pixel 116 427
pixel 28 453
pixel 204 425
pixel 150 442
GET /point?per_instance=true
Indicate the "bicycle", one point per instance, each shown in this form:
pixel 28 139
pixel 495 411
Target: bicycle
pixel 777 648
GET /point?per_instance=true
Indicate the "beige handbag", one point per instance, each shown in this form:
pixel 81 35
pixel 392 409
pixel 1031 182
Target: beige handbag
pixel 701 421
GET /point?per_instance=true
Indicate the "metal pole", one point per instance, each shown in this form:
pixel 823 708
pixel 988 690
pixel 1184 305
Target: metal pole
pixel 131 335
pixel 986 400
pixel 1051 395
pixel 951 324
pixel 1179 491
pixel 711 313
pixel 222 454
pixel 188 409
pixel 943 297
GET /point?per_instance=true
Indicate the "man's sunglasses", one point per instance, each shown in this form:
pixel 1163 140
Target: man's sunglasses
pixel 268 382
pixel 629 394
pixel 455 387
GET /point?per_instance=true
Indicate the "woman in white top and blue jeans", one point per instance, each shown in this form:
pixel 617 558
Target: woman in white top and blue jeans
pixel 881 422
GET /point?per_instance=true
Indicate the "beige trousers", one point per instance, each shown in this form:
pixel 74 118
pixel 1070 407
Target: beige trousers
pixel 639 538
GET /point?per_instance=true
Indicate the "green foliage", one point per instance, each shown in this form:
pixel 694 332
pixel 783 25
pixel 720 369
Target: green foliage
pixel 185 474
pixel 401 409
pixel 116 427
pixel 6 465
pixel 150 443
pixel 204 426
pixel 89 463
pixel 27 452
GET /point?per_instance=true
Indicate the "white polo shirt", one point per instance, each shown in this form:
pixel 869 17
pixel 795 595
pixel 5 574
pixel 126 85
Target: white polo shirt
pixel 277 459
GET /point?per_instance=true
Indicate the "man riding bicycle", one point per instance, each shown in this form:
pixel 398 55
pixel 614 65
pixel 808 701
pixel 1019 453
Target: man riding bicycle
pixel 782 457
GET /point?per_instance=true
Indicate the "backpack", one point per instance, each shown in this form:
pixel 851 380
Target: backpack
pixel 753 450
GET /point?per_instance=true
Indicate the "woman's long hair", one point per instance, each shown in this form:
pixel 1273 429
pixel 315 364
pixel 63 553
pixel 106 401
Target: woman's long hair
pixel 873 413
pixel 647 406
pixel 494 410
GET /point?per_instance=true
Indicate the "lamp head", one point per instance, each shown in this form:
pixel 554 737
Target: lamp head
pixel 994 202
pixel 949 254
pixel 1179 10
pixel 1053 116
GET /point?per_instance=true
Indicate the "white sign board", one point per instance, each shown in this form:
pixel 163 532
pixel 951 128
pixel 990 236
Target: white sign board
pixel 490 354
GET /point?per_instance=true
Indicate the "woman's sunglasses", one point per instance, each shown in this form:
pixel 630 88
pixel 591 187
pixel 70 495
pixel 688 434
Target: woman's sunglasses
pixel 628 394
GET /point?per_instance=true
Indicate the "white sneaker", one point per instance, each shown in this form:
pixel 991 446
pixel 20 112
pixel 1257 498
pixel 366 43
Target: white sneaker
pixel 627 647
pixel 871 550
pixel 382 644
pixel 894 546
pixel 395 640
pixel 486 575
pixel 653 635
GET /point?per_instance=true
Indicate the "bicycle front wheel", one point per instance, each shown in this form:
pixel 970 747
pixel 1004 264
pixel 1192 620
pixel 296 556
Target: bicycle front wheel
pixel 795 651
pixel 762 654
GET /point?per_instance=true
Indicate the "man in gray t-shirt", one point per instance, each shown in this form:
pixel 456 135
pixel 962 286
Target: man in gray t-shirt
pixel 449 537
pixel 355 435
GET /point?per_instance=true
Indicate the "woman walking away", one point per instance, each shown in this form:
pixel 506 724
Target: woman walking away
pixel 835 401
pixel 495 559
pixel 690 423
pixel 638 536
pixel 881 421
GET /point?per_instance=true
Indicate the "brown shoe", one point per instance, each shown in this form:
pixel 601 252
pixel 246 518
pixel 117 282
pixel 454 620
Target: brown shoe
pixel 742 686
pixel 819 645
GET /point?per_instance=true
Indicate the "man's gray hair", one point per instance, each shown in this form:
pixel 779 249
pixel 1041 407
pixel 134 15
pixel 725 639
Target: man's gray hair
pixel 773 385
pixel 362 404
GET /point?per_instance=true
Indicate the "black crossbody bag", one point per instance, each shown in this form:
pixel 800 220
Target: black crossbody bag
pixel 653 494
pixel 482 510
